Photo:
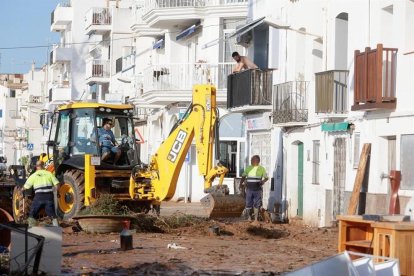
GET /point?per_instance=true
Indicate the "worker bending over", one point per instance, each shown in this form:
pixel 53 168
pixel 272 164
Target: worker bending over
pixel 243 63
pixel 42 182
pixel 253 179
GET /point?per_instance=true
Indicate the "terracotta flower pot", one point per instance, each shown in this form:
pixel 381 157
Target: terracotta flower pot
pixel 102 223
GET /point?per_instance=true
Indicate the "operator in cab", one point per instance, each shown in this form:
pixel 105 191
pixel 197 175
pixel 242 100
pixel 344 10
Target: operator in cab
pixel 243 63
pixel 253 179
pixel 107 141
pixel 42 182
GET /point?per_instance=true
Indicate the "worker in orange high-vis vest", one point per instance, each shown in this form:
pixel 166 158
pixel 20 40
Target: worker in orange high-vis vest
pixel 253 178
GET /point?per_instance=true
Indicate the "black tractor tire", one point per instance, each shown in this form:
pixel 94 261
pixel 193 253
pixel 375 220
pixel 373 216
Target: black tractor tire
pixel 76 181
pixel 21 205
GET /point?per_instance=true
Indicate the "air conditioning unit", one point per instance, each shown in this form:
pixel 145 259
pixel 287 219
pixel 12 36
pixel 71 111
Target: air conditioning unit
pixel 244 39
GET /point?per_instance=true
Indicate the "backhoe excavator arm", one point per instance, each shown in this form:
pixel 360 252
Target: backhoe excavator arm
pixel 199 124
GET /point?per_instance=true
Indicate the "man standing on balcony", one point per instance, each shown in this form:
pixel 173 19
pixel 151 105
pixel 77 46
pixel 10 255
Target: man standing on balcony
pixel 243 63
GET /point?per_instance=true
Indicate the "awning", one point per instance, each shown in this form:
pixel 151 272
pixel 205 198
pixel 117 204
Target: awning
pixel 332 127
pixel 247 27
pixel 187 32
pixel 159 44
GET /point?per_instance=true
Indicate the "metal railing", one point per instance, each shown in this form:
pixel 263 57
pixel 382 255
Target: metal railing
pixel 182 76
pixel 97 69
pixel 64 4
pixel 375 77
pixel 161 4
pixel 249 87
pixel 128 62
pixel 98 16
pixel 290 102
pixel 331 91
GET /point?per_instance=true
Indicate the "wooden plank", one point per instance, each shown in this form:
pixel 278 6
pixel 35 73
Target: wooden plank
pixel 353 203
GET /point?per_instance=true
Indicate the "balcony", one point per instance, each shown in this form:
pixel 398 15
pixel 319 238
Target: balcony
pixel 97 71
pixel 250 90
pixel 290 107
pixel 331 92
pixel 167 83
pixel 128 62
pixel 60 93
pixel 374 79
pixel 61 17
pixel 165 13
pixel 60 54
pixel 98 21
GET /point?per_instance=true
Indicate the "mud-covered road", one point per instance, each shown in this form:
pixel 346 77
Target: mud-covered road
pixel 241 249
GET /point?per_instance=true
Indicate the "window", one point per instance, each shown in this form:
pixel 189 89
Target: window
pixel 357 138
pixel 83 132
pixel 407 161
pixel 228 156
pixel 12 94
pixel 62 138
pixel 118 65
pixel 1 113
pixel 229 46
pixel 315 162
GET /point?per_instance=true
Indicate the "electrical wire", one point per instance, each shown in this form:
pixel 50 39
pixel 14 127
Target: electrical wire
pixel 102 41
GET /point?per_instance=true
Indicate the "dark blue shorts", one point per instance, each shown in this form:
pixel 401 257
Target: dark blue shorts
pixel 114 150
pixel 254 198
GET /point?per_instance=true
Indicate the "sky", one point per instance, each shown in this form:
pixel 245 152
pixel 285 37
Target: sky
pixel 25 23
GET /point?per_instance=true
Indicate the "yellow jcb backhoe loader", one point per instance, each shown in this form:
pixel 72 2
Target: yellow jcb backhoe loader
pixel 76 159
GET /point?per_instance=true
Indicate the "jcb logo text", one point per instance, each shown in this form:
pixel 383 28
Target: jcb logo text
pixel 178 144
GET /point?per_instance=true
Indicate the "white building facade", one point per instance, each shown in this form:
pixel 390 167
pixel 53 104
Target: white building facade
pixel 179 44
pixel 329 100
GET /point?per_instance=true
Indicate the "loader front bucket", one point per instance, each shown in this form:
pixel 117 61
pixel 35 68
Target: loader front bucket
pixel 218 205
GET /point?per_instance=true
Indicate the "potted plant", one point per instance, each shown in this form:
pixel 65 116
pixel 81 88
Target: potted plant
pixel 105 215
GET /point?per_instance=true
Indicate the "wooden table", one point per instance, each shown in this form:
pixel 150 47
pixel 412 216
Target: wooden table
pixel 387 239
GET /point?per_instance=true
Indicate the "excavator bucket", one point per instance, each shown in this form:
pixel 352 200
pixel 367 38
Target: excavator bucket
pixel 217 205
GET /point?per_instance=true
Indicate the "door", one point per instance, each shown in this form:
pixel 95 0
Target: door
pixel 339 176
pixel 61 144
pixel 300 180
pixel 260 145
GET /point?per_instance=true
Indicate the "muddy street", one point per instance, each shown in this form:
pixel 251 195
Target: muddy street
pixel 241 248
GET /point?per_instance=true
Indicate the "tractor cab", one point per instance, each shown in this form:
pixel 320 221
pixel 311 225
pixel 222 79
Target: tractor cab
pixel 77 129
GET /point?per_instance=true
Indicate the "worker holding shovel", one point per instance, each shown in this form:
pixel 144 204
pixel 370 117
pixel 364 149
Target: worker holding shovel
pixel 253 179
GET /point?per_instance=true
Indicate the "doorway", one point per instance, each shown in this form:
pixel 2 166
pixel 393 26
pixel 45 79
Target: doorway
pixel 300 180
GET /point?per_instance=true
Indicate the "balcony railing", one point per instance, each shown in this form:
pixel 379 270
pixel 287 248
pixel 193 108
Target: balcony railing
pixel 290 102
pixel 161 4
pixel 249 87
pixel 183 76
pixel 98 16
pixel 331 92
pixel 128 62
pixel 375 75
pixel 97 69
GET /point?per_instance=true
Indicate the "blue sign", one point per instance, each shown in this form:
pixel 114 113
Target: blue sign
pixel 187 157
pixel 30 146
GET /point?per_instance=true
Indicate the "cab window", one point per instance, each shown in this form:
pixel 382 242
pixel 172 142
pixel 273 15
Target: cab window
pixel 83 137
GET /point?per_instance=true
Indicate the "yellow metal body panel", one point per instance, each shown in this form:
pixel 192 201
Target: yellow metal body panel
pixel 166 164
pixel 95 105
pixel 89 180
